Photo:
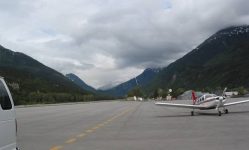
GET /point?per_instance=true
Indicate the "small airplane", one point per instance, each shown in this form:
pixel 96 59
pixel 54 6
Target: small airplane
pixel 205 102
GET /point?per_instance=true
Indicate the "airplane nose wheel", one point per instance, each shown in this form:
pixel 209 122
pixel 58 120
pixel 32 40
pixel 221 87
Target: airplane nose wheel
pixel 192 113
pixel 219 113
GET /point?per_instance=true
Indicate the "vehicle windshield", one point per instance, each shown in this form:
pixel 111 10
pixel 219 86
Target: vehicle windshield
pixel 4 97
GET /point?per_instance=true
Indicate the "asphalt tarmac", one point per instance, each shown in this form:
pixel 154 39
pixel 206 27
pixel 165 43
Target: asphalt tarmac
pixel 123 125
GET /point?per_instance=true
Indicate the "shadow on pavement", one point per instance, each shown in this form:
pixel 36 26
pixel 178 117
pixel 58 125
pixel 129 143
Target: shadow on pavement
pixel 201 114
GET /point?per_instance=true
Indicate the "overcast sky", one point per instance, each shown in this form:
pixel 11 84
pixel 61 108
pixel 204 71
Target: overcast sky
pixel 111 41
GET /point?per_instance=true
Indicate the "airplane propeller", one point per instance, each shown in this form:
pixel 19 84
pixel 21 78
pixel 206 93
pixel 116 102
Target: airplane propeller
pixel 224 93
pixel 220 98
pixel 220 103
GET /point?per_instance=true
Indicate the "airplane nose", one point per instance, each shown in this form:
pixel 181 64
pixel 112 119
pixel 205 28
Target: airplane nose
pixel 221 98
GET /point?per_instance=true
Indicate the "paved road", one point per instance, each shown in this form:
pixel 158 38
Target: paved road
pixel 130 126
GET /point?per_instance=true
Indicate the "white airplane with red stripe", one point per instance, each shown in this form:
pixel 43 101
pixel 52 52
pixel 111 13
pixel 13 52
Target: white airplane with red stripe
pixel 205 102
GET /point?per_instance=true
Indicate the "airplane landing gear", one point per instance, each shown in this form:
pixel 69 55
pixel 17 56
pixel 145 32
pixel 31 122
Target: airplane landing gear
pixel 219 112
pixel 192 113
pixel 226 111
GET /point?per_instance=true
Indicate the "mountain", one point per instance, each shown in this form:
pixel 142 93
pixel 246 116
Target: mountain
pixel 75 79
pixel 108 86
pixel 141 80
pixel 220 61
pixel 32 82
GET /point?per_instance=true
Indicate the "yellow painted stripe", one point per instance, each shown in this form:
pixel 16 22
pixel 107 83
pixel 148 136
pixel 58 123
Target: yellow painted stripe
pixel 81 135
pixel 115 117
pixel 56 148
pixel 101 125
pixel 95 128
pixel 89 131
pixel 70 141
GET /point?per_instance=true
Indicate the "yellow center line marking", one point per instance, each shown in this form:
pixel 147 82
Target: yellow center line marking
pixel 81 135
pixel 89 131
pixel 101 125
pixel 70 141
pixel 96 127
pixel 56 148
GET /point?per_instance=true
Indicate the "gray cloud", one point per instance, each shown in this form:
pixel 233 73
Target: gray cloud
pixel 110 41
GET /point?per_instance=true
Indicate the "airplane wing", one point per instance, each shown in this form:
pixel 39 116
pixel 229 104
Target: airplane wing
pixel 180 105
pixel 235 103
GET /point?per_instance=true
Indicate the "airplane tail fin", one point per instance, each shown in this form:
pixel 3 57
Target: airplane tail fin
pixel 193 97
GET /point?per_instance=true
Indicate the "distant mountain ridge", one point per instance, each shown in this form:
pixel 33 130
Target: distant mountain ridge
pixel 141 80
pixel 220 61
pixel 108 86
pixel 33 78
pixel 74 78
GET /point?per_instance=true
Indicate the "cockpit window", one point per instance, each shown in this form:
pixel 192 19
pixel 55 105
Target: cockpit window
pixel 209 95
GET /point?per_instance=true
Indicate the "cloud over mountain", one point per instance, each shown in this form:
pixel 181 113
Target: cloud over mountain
pixel 103 40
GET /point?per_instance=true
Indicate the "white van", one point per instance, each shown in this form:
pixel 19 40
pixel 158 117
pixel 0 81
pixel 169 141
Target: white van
pixel 8 125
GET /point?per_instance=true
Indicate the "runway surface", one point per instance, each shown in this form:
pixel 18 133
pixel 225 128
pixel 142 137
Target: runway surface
pixel 123 125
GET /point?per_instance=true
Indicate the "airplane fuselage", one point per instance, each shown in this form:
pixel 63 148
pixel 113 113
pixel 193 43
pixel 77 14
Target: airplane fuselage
pixel 210 101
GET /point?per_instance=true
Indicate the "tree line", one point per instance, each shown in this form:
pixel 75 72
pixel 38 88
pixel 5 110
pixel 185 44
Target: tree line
pixel 160 92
